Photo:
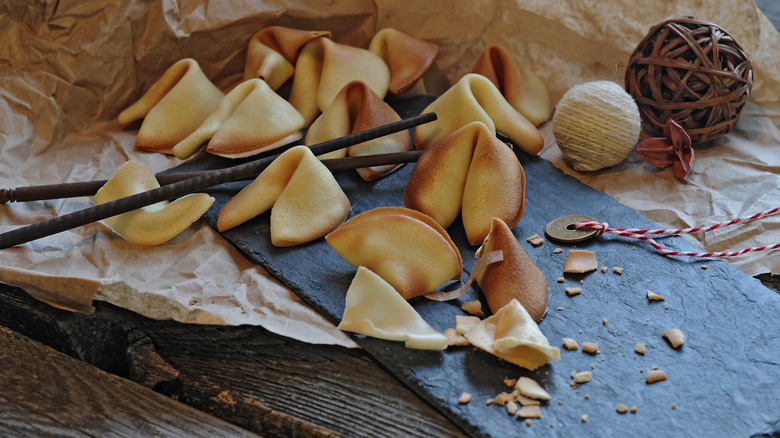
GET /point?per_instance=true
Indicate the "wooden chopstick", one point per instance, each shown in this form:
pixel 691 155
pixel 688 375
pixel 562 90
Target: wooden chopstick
pixel 240 172
pixel 89 188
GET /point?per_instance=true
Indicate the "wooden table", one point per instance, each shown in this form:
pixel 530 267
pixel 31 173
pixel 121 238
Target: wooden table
pixel 115 373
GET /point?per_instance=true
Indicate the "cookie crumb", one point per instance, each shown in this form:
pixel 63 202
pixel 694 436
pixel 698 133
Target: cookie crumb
pixel 570 344
pixel 590 347
pixel 604 321
pixel 652 296
pixel 704 266
pixel 617 270
pixel 531 411
pixel 473 308
pixel 584 418
pixel 621 408
pixel 464 398
pixel 560 280
pixel 511 407
pixel 654 376
pixel 675 337
pixel 639 348
pixel 571 291
pixel 632 409
pixel 604 269
pixel 557 250
pixel 583 377
pixel 535 240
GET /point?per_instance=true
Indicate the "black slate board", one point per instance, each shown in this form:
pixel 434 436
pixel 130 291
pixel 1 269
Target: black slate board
pixel 722 382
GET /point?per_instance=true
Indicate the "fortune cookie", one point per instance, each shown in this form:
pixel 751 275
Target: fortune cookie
pixel 514 277
pixel 324 67
pixel 173 107
pixel 250 119
pixel 472 173
pixel 356 108
pixel 305 199
pixel 375 309
pixel 407 57
pixel 273 51
pixel 475 99
pixel 406 248
pixel 519 85
pixel 154 224
pixel 511 334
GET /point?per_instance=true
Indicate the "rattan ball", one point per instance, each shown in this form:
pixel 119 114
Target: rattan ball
pixel 692 71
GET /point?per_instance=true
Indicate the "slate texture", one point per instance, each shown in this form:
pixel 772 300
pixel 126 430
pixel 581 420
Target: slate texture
pixel 721 383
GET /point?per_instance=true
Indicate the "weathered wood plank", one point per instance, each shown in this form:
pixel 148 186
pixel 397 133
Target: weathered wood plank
pixel 245 375
pixel 46 393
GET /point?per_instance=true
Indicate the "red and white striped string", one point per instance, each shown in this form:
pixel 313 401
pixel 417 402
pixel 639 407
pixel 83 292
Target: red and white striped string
pixel 643 234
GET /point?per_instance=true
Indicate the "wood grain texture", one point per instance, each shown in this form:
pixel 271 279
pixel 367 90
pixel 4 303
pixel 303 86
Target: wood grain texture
pixel 46 393
pixel 255 379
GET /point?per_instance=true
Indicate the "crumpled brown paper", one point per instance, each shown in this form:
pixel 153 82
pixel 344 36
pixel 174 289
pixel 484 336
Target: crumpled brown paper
pixel 67 70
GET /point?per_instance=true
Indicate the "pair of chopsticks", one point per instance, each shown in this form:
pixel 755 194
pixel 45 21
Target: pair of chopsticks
pixel 193 182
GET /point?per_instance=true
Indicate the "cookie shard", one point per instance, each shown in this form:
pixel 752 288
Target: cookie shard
pixel 474 98
pixel 472 173
pixel 299 214
pixel 357 108
pixel 154 224
pixel 511 334
pixel 413 254
pixel 374 308
pixel 407 57
pixel 324 67
pixel 519 85
pixel 173 107
pixel 516 277
pixel 273 51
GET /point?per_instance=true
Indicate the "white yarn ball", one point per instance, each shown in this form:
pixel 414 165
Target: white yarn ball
pixel 596 125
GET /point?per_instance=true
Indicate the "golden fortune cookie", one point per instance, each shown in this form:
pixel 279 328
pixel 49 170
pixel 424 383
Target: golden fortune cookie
pixel 405 247
pixel 305 199
pixel 173 107
pixel 356 108
pixel 154 224
pixel 472 173
pixel 475 99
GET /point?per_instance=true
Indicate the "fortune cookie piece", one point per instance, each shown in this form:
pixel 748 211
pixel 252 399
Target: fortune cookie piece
pixel 357 108
pixel 375 309
pixel 475 99
pixel 324 67
pixel 273 51
pixel 249 120
pixel 415 256
pixel 516 277
pixel 173 107
pixel 154 224
pixel 511 334
pixel 472 173
pixel 407 57
pixel 520 86
pixel 580 261
pixel 305 199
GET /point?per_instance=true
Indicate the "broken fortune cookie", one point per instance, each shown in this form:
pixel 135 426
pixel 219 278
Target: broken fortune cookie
pixel 375 309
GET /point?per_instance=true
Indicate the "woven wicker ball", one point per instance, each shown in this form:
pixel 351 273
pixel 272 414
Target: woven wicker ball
pixel 692 71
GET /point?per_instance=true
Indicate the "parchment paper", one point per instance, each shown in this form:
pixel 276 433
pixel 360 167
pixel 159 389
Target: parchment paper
pixel 66 70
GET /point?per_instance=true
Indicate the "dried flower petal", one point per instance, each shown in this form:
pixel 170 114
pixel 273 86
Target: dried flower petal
pixel 674 149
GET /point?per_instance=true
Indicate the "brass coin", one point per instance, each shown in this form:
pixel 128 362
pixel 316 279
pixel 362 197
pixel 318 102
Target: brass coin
pixel 562 229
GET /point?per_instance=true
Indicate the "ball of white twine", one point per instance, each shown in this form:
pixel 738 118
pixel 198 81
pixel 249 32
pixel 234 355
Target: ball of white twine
pixel 596 125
